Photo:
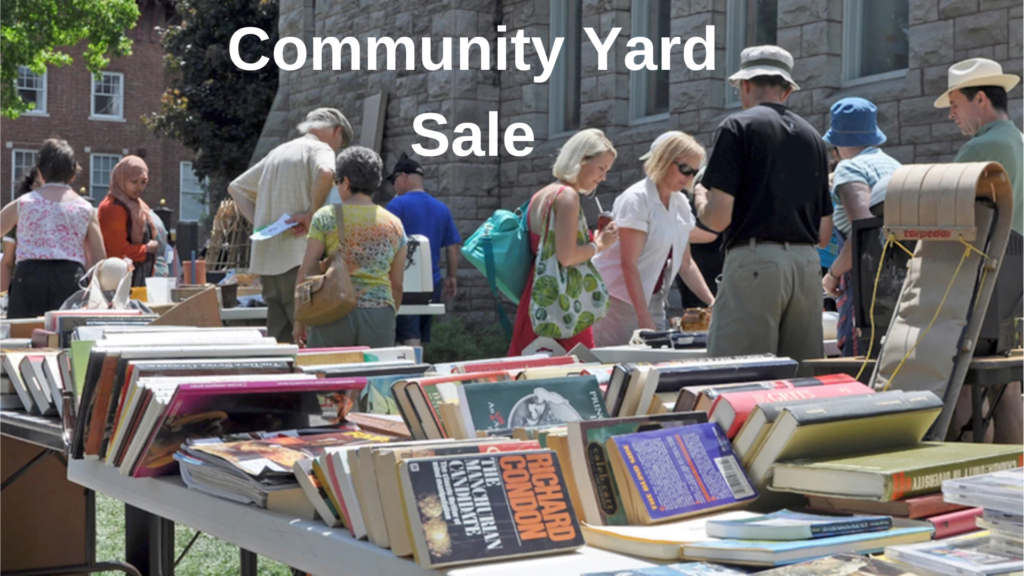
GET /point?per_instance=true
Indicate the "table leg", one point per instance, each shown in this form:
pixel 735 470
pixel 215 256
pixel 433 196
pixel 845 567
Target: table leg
pixel 136 538
pixel 162 552
pixel 249 562
pixel 978 424
pixel 149 542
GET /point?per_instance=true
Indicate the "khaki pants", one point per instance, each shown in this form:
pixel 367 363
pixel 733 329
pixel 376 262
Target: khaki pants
pixel 769 300
pixel 279 295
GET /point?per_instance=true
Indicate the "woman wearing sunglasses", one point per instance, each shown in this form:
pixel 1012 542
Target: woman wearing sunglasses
pixel 655 222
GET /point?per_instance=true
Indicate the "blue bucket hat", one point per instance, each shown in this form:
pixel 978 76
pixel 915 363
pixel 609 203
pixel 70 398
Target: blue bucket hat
pixel 854 124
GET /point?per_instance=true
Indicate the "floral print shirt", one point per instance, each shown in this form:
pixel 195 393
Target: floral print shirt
pixel 373 236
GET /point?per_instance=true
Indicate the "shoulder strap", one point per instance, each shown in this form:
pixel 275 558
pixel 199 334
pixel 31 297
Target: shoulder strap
pixel 339 223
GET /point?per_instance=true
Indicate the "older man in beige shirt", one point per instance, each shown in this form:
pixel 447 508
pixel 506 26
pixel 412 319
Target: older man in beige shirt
pixel 294 179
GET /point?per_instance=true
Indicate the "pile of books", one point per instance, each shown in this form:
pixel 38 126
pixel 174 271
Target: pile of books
pixel 997 550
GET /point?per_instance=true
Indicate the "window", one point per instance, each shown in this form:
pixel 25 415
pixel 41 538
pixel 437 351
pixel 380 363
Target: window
pixel 648 88
pixel 32 89
pixel 567 23
pixel 108 95
pixel 100 167
pixel 21 162
pixel 875 37
pixel 751 23
pixel 191 204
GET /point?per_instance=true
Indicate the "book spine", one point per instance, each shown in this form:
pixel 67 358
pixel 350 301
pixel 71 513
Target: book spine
pixel 954 523
pixel 929 479
pixel 864 405
pixel 851 527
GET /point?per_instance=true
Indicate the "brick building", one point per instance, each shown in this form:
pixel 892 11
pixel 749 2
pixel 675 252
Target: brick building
pixel 102 120
pixel 894 52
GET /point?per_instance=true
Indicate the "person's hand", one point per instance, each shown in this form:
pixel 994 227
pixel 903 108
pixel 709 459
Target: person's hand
pixel 303 220
pixel 152 246
pixel 607 237
pixel 299 334
pixel 831 285
pixel 451 287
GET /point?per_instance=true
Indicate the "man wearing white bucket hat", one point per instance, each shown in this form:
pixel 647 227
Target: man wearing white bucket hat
pixel 767 182
pixel 977 103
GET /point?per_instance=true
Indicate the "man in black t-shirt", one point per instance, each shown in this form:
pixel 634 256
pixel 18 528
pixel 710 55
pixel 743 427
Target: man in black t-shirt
pixel 767 182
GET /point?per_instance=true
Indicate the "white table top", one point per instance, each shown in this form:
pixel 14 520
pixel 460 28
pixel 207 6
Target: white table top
pixel 235 314
pixel 616 354
pixel 308 545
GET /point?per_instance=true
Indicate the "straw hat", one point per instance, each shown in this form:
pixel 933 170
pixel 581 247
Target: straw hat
pixel 976 72
pixel 764 61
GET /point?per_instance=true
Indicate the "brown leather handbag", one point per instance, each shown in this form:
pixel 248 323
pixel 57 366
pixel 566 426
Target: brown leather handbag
pixel 329 296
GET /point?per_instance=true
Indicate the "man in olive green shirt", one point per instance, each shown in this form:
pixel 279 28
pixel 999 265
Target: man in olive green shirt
pixel 977 103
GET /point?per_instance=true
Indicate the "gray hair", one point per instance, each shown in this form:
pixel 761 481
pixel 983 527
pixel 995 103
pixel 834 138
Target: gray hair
pixel 362 167
pixel 327 118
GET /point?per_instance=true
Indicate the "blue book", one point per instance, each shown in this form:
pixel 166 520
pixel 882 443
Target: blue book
pixel 787 525
pixel 774 553
pixel 677 472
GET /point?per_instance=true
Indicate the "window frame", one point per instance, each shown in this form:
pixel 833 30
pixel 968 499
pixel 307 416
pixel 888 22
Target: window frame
pixel 558 93
pixel 14 165
pixel 92 97
pixel 737 38
pixel 853 27
pixel 92 173
pixel 638 93
pixel 39 110
pixel 182 192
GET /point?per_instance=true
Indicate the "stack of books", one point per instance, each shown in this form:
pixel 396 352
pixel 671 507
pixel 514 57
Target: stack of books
pixel 997 551
pixel 260 471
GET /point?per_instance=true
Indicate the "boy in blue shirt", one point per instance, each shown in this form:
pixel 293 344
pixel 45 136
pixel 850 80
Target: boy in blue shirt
pixel 423 214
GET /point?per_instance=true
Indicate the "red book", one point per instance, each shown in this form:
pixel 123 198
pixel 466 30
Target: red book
pixel 199 410
pixel 954 523
pixel 914 507
pixel 731 409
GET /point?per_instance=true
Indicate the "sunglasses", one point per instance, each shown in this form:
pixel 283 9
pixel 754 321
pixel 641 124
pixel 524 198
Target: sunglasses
pixel 686 169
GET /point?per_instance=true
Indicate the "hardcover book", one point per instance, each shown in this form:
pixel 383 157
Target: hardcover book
pixel 600 501
pixel 895 474
pixel 915 507
pixel 677 472
pixel 530 403
pixel 731 409
pixel 463 509
pixel 196 409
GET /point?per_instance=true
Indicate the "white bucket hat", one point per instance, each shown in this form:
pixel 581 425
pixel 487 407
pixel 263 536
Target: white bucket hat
pixel 976 72
pixel 764 61
pixel 658 142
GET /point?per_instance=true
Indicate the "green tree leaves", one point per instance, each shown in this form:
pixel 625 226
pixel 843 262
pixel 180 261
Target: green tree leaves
pixel 33 33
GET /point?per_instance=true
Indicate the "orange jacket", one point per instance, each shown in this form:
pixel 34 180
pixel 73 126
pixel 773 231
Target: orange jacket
pixel 114 224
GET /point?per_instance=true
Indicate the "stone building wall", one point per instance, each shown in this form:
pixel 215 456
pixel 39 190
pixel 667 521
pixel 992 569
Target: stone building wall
pixel 941 32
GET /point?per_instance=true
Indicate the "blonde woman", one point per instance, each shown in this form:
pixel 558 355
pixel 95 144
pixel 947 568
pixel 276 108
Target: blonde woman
pixel 655 222
pixel 582 164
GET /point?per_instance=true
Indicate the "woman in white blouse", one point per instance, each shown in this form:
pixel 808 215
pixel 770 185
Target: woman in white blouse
pixel 655 222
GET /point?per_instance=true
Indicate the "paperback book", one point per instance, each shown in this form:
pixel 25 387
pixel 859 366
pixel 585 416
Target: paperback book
pixel 463 509
pixel 677 472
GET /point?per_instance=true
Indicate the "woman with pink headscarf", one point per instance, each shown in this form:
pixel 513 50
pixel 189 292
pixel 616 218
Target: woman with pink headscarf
pixel 128 230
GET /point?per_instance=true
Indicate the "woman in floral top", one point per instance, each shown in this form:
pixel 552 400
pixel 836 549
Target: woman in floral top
pixel 58 235
pixel 374 249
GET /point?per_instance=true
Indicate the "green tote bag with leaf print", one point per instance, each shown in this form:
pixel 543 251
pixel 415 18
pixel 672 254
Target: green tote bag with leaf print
pixel 566 300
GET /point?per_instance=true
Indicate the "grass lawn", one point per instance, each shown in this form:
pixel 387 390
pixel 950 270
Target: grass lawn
pixel 207 556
